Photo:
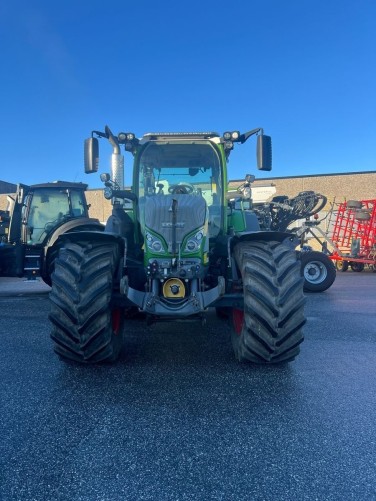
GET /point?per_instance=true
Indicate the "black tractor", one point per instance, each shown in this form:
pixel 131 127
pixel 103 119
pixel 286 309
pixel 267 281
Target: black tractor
pixel 36 216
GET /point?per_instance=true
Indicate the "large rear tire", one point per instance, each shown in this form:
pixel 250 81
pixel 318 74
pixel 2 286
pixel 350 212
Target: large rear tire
pixel 269 330
pixel 318 271
pixel 86 328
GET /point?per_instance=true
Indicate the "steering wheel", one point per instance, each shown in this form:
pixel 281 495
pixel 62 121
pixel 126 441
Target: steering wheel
pixel 181 188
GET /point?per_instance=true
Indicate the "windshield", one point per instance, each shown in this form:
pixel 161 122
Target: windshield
pixel 51 207
pixel 185 168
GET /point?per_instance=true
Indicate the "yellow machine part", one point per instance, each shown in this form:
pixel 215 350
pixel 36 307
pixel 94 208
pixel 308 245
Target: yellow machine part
pixel 173 288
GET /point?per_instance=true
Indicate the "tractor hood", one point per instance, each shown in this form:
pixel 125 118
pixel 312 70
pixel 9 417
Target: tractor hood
pixel 174 216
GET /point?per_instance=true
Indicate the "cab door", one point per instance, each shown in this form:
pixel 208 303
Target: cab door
pixel 17 209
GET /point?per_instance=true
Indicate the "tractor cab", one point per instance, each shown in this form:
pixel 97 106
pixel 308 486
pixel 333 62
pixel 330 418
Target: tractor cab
pixel 47 206
pixel 184 170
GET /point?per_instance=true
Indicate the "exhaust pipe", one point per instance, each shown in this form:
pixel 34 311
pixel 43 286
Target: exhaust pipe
pixel 117 160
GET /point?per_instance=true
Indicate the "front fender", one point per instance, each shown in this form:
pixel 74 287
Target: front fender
pixel 75 225
pixel 265 236
pixel 77 236
pixel 91 236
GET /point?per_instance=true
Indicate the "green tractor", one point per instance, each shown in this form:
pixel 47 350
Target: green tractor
pixel 36 216
pixel 175 245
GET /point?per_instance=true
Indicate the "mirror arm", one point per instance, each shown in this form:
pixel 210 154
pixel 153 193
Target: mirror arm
pixel 243 138
pixel 98 134
pixel 113 140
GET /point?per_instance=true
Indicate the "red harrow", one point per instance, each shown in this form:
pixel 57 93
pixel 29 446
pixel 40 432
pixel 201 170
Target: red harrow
pixel 354 235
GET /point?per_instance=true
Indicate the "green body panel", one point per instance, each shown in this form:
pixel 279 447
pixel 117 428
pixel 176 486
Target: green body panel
pixel 236 221
pixel 224 186
pixel 200 254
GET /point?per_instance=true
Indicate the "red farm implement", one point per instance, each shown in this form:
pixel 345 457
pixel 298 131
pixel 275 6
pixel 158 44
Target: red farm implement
pixel 354 235
pixel 349 238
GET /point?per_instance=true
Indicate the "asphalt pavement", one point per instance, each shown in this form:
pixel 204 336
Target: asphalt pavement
pixel 177 418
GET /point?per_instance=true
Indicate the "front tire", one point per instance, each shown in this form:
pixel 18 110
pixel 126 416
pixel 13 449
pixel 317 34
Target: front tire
pixel 269 329
pixel 318 271
pixel 52 254
pixel 86 328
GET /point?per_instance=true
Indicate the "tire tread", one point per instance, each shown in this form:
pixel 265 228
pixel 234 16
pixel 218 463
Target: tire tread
pixel 273 303
pixel 80 298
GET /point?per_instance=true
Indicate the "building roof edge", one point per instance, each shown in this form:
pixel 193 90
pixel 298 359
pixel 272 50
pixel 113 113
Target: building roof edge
pixel 310 175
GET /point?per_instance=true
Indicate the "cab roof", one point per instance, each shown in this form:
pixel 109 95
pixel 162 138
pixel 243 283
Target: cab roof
pixel 158 136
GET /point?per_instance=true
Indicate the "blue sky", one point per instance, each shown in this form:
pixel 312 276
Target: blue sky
pixel 303 70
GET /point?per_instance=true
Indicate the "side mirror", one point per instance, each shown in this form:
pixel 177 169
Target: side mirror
pixel 91 155
pixel 264 152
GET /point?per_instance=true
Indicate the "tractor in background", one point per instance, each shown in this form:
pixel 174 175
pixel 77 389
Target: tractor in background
pixel 36 216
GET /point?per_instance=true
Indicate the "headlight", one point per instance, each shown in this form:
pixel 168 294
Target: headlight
pixel 107 193
pixel 192 245
pixel 125 136
pixel 194 242
pixel 104 177
pixel 157 246
pixel 231 136
pixel 247 193
pixel 153 243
